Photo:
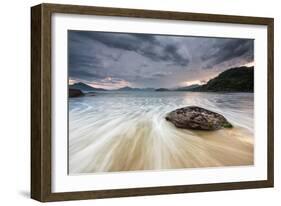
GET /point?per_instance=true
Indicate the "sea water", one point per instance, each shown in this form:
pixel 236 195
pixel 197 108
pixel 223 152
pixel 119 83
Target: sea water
pixel 127 131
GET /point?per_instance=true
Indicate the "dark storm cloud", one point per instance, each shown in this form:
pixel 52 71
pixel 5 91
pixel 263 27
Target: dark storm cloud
pixel 121 41
pixel 171 51
pixel 159 75
pixel 80 66
pixel 144 60
pixel 143 44
pixel 78 60
pixel 224 50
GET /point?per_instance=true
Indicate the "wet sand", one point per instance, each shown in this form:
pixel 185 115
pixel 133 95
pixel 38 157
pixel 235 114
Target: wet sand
pixel 157 144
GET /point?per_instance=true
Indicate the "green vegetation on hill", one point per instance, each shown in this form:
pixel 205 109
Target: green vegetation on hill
pixel 239 79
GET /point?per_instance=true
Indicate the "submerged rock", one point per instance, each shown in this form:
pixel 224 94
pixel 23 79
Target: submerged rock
pixel 197 118
pixel 75 93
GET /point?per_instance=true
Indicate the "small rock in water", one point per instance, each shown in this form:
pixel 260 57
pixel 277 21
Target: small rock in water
pixel 75 93
pixel 194 117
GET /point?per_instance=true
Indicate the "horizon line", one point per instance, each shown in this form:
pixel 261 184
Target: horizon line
pixel 169 88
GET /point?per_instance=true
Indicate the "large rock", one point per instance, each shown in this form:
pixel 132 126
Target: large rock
pixel 75 93
pixel 197 118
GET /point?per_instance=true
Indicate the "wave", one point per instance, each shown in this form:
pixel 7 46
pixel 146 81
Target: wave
pixel 128 132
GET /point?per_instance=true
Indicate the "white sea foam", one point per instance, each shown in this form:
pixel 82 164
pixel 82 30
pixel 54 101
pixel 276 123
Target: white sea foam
pixel 127 131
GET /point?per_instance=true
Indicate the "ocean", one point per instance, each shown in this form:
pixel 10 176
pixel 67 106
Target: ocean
pixel 127 131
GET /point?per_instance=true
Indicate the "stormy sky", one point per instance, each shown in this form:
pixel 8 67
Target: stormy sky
pixel 114 60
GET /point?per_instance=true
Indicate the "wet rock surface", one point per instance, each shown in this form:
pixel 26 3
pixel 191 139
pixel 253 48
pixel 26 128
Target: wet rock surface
pixel 75 93
pixel 197 118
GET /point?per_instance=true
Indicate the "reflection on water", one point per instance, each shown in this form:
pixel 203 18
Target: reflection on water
pixel 127 131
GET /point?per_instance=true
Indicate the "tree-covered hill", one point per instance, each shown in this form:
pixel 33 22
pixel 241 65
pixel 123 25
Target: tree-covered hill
pixel 240 79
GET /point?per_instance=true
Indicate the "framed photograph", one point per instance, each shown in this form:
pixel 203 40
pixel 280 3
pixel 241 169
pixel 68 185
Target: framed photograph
pixel 132 102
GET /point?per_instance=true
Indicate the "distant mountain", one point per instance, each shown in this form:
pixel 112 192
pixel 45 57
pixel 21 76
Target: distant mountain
pixel 187 88
pixel 240 79
pixel 126 89
pixel 147 89
pixel 134 89
pixel 162 90
pixel 84 87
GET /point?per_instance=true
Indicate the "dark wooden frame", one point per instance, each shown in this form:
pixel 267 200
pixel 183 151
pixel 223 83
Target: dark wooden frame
pixel 41 101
